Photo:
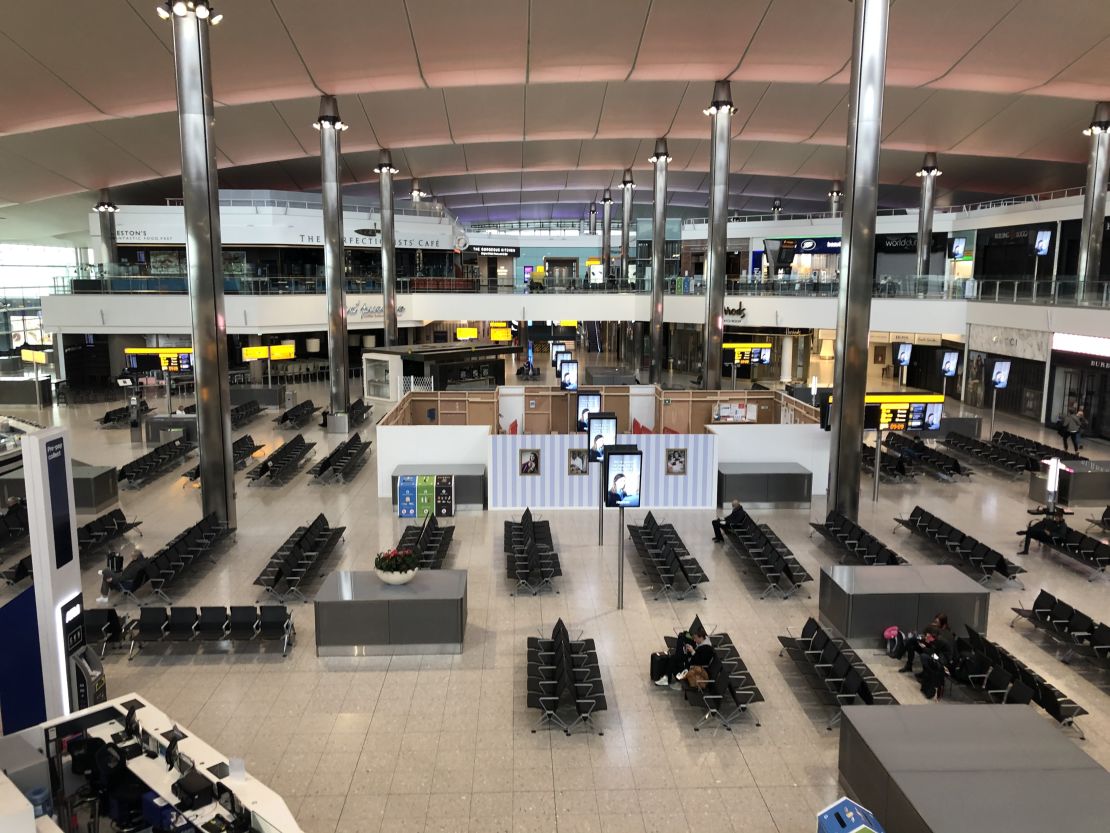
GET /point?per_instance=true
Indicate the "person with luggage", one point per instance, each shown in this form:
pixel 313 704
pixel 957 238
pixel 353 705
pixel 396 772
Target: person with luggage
pixel 690 649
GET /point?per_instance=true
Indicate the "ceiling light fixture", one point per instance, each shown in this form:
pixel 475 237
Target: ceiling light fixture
pixel 776 205
pixel 105 207
pixel 417 193
pixel 626 182
pixel 837 190
pixel 385 163
pixel 660 154
pixel 606 197
pixel 1100 122
pixel 180 8
pixel 929 166
pixel 722 98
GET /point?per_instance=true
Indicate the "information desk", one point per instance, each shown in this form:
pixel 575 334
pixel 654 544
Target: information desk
pixel 862 601
pixel 239 794
pixel 470 481
pixel 1081 482
pixel 358 614
pixel 95 488
pixel 941 768
pixel 764 484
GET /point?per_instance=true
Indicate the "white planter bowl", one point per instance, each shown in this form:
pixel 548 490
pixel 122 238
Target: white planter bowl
pixel 395 578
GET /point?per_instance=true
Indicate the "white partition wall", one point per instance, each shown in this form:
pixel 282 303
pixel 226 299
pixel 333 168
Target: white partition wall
pixel 554 487
pixel 806 445
pixel 431 445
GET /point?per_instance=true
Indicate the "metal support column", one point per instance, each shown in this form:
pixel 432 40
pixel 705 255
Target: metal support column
pixel 593 218
pixel 857 256
pixel 385 170
pixel 836 193
pixel 786 363
pixel 606 235
pixel 1094 201
pixel 928 173
pixel 204 256
pixel 658 261
pixel 721 110
pixel 627 187
pixel 107 255
pixel 330 126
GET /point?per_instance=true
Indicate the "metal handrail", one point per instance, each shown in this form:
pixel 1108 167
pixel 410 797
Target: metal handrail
pixel 430 209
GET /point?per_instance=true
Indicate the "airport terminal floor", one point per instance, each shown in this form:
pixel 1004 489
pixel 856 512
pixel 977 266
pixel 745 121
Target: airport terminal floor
pixel 444 743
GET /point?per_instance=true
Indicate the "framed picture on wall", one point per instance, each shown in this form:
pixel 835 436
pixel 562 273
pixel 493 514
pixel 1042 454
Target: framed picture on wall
pixel 676 461
pixel 578 461
pixel 529 461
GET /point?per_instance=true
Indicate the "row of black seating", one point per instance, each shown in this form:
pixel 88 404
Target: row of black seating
pixel 145 468
pixel 429 541
pixel 918 453
pixel 892 467
pixel 283 462
pixel 564 680
pixel 212 624
pixel 1072 629
pixel 298 415
pixel 162 570
pixel 1089 551
pixel 105 529
pixel 357 413
pixel 997 456
pixel 1033 450
pixel 833 669
pixel 119 417
pixel 976 556
pixel 1102 522
pixel 855 541
pixel 241 451
pixel 532 568
pixel 992 660
pixel 299 558
pixel 243 413
pixel 14 524
pixel 730 691
pixel 14 574
pixel 343 463
pixel 764 549
pixel 518 533
pixel 667 561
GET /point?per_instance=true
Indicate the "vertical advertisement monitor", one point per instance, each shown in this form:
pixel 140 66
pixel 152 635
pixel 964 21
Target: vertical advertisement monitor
pixel 602 430
pixel 933 414
pixel 761 355
pixel 949 363
pixel 568 374
pixel 1043 241
pixel 589 402
pixel 959 246
pixel 623 465
pixel 1000 376
pixel 556 348
pixel 903 356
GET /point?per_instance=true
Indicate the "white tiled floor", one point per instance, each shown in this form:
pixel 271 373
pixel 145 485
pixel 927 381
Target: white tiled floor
pixel 444 743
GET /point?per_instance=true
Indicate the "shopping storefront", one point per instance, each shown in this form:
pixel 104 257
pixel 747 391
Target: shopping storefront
pixel 1079 375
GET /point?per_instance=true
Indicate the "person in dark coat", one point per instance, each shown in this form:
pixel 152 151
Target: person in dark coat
pixel 733 517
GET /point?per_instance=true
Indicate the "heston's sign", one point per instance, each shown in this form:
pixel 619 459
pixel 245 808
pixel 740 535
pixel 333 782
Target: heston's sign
pixel 363 311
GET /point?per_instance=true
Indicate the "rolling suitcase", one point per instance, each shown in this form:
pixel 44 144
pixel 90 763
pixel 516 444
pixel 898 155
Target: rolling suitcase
pixel 660 665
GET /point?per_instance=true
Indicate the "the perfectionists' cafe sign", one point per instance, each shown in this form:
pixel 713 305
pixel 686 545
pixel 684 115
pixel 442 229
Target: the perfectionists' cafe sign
pixel 364 311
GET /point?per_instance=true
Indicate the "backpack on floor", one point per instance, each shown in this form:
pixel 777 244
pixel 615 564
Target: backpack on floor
pixel 895 642
pixel 660 666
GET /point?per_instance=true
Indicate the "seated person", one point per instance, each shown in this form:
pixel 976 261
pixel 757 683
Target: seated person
pixel 731 518
pixel 1051 530
pixel 690 650
pixel 936 638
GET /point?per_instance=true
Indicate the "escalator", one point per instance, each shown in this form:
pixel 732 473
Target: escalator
pixel 593 336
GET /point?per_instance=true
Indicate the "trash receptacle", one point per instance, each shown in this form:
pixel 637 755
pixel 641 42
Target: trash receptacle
pixel 845 816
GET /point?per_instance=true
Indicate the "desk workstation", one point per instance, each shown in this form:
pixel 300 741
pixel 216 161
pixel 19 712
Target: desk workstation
pixel 129 765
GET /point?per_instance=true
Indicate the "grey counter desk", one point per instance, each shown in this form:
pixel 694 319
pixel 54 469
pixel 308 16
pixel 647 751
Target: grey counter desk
pixel 470 481
pixel 959 768
pixel 357 614
pixel 764 484
pixel 1081 482
pixel 861 602
pixel 153 426
pixel 95 488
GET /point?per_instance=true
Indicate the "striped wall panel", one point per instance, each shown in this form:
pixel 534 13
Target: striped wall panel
pixel 554 488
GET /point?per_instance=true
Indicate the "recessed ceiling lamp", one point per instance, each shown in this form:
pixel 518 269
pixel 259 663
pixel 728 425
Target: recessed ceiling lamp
pixel 180 8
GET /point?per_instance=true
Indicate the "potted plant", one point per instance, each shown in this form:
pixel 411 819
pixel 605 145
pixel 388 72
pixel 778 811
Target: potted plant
pixel 396 566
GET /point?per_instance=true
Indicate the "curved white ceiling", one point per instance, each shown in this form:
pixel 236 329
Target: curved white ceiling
pixel 508 108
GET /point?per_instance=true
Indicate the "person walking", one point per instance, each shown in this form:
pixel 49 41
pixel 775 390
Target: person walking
pixel 1070 425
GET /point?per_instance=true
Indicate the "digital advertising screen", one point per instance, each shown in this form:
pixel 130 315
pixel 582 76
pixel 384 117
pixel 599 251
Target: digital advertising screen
pixel 761 355
pixel 1043 241
pixel 959 246
pixel 557 348
pixel 1000 376
pixel 589 402
pixel 602 430
pixel 950 363
pixel 933 415
pixel 623 465
pixel 902 358
pixel 568 374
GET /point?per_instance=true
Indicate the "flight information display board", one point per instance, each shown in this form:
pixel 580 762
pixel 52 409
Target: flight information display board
pixel 745 351
pixel 903 412
pixel 176 362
